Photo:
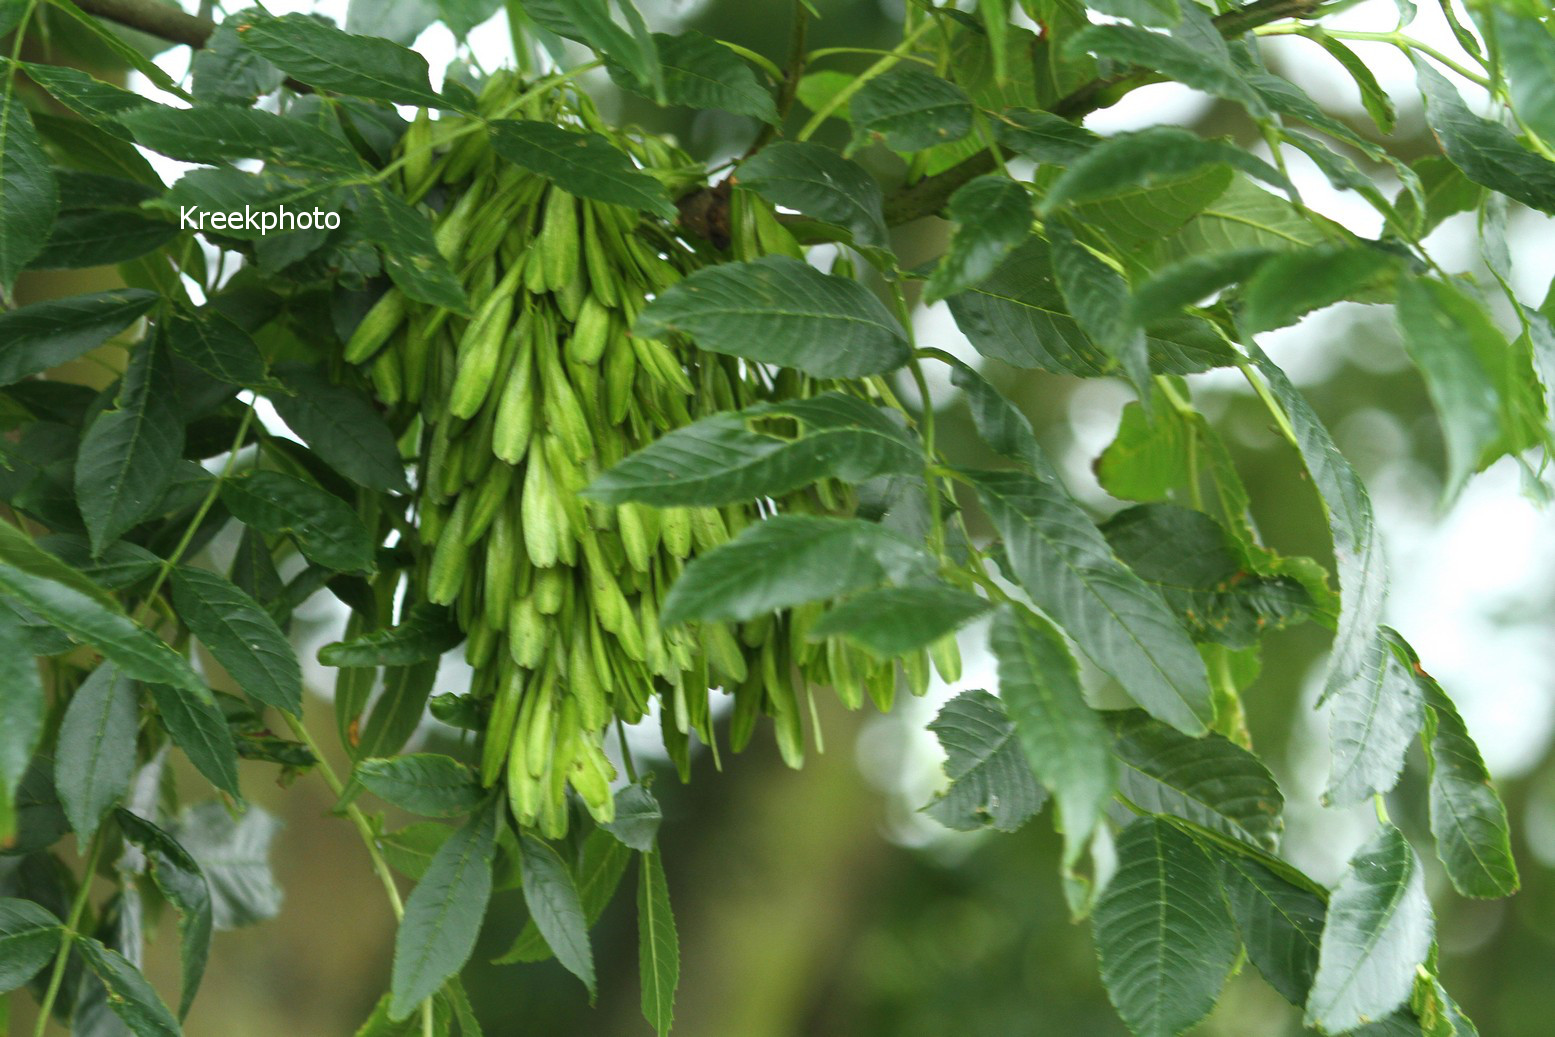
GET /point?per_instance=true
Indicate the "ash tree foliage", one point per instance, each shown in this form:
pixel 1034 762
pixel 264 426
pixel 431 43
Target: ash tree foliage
pixel 628 432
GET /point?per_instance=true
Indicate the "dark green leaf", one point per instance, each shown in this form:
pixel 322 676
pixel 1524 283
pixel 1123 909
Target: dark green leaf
pixel 343 428
pixel 179 879
pixel 29 938
pixel 47 334
pixel 604 861
pixel 1066 747
pixel 129 995
pixel 429 784
pixel 582 164
pixel 1164 13
pixel 1194 54
pixel 224 70
pixel 128 454
pixel 398 711
pixel 1191 280
pixel 29 196
pixel 235 857
pixel 327 529
pixel 700 72
pixel 403 237
pixel 589 22
pixel 1149 157
pixel 658 946
pixel 910 108
pixel 241 635
pixel 97 102
pixel 422 636
pixel 1287 287
pixel 200 730
pixel 993 215
pixel 1281 923
pixel 95 754
pixel 781 311
pixel 637 818
pixel 22 704
pixel 1067 567
pixel 216 133
pixel 1208 781
pixel 1244 215
pixel 1164 937
pixel 323 56
pixel 999 422
pixel 820 183
pixel 1373 722
pixel 1097 296
pixel 894 621
pixel 741 455
pixel 100 237
pixel 1378 932
pixel 1373 98
pixel 1487 152
pixel 1527 52
pixel 410 850
pixel 784 561
pixel 213 343
pixel 991 783
pixel 1044 136
pixel 556 909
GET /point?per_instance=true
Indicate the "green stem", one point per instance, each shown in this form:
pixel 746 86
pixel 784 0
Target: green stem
pixel 1269 402
pixel 72 923
pixel 1403 42
pixel 885 64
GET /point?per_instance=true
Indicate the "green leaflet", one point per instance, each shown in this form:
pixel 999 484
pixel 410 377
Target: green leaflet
pixel 129 995
pixel 29 938
pixel 343 428
pixel 225 70
pixel 423 635
pixel 29 196
pixel 1163 935
pixel 128 454
pixel 1373 98
pixel 700 72
pixel 443 913
pixel 589 22
pixel 97 102
pixel 47 334
pixel 96 750
pixel 820 183
pixel 603 862
pixel 327 529
pixel 893 621
pixel 1064 742
pixel 991 784
pixel 429 784
pixel 1527 51
pixel 179 879
pixel 637 818
pixel 213 343
pixel 403 236
pixel 1148 158
pixel 1374 720
pixel 909 108
pixel 658 945
pixel 200 730
pixel 784 561
pixel 1097 296
pixel 1378 931
pixel 1066 566
pixel 781 311
pixel 1287 287
pixel 323 56
pixel 217 133
pixel 1194 55
pixel 398 711
pixel 582 164
pixel 741 455
pixel 555 906
pixel 1281 923
pixel 993 215
pixel 241 635
pixel 22 704
pixel 1210 781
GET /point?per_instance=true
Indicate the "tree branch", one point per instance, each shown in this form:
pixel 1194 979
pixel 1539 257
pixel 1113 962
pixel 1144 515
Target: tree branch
pixel 150 17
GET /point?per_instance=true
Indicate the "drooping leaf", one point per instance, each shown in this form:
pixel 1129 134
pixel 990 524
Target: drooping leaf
pixel 323 56
pixel 343 428
pixel 589 22
pixel 781 311
pixel 403 237
pixel 1244 215
pixel 425 633
pixel 1527 53
pixel 326 528
pixel 993 215
pixel 1194 55
pixel 1065 564
pixel 29 938
pixel 398 711
pixel 658 953
pixel 741 455
pixel 556 908
pixel 784 561
pixel 1065 745
pixel 443 913
pixel 179 879
pixel 1097 296
pixel 241 635
pixel 582 164
pixel 200 730
pixel 991 783
pixel 1373 98
pixel 1287 287
pixel 1044 136
pixel 910 108
pixel 97 102
pixel 212 342
pixel 1373 722
pixel 1163 935
pixel 1281 923
pixel 47 334
pixel 1149 157
pixel 226 71
pixel 1161 13
pixel 132 999
pixel 820 183
pixel 22 704
pixel 603 862
pixel 234 855
pixel 893 621
pixel 429 784
pixel 700 72
pixel 29 196
pixel 637 818
pixel 1378 931
pixel 95 754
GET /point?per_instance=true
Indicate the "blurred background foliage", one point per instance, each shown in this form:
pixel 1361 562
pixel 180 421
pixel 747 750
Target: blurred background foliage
pixel 820 903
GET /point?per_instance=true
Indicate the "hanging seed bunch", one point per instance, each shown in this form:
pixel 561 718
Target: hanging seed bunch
pixel 520 406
